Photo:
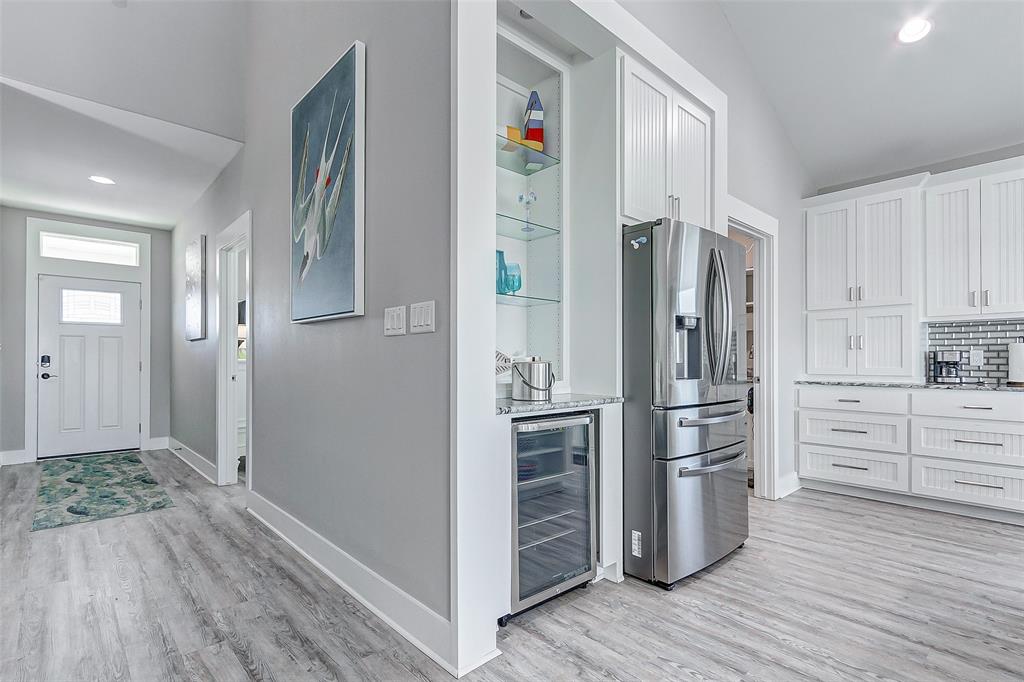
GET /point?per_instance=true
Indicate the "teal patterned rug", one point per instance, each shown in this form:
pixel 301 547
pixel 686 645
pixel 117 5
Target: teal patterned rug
pixel 95 487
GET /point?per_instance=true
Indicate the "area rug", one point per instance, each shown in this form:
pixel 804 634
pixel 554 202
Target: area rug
pixel 95 487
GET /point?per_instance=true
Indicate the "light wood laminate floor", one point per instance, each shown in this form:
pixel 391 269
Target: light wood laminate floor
pixel 827 588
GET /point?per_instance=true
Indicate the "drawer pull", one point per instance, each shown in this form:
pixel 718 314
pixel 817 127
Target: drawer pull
pixel 848 466
pixel 976 483
pixel 976 442
pixel 850 431
pixel 977 407
pixel 846 400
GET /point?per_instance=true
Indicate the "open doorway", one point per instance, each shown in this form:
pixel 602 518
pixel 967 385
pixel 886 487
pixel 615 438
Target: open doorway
pixel 758 233
pixel 234 372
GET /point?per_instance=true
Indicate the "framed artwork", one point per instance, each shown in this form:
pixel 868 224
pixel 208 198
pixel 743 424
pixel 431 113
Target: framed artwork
pixel 195 289
pixel 327 173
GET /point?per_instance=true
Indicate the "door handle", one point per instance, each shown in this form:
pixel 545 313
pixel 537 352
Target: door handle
pixel 851 341
pixel 719 419
pixel 987 297
pixel 699 471
pixel 47 375
pixel 678 209
pixel 726 292
pixel 860 293
pixel 849 294
pixel 973 298
pixel 671 204
pixel 860 342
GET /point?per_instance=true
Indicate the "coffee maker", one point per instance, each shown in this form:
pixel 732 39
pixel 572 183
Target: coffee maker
pixel 944 366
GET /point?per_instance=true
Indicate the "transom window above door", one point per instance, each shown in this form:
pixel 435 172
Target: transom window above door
pixel 79 306
pixel 89 249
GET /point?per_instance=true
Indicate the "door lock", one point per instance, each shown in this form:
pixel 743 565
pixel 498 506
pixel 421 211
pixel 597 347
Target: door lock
pixel 47 375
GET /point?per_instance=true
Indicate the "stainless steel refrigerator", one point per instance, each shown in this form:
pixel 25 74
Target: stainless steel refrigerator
pixel 685 383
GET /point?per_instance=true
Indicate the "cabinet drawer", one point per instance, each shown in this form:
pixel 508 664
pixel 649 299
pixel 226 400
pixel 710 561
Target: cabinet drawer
pixel 968 404
pixel 870 431
pixel 989 442
pixel 984 484
pixel 887 400
pixel 868 469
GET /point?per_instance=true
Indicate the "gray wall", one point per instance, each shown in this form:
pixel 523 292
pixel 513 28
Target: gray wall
pixel 12 323
pixel 350 430
pixel 764 170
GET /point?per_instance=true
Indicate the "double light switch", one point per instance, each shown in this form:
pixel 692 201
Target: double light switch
pixel 421 319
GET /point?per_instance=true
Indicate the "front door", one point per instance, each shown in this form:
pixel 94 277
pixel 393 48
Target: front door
pixel 89 365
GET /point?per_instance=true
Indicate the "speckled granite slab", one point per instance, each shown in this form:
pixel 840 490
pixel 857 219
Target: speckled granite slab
pixel 566 401
pixel 915 385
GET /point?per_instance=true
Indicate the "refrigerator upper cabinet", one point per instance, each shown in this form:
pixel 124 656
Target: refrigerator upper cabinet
pixel 646 134
pixel 831 256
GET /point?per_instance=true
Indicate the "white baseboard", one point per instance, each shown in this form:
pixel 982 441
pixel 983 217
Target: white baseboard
pixel 969 510
pixel 428 631
pixel 158 443
pixel 787 485
pixel 205 467
pixel 15 457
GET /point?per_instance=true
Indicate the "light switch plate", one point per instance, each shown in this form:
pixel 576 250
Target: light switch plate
pixel 977 357
pixel 421 317
pixel 394 321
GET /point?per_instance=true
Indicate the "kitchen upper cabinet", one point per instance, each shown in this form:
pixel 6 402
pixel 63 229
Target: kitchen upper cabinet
pixel 953 248
pixel 861 253
pixel 646 135
pixel 885 343
pixel 864 341
pixel 831 342
pixel 666 163
pixel 1002 243
pixel 885 258
pixel 831 256
pixel 691 162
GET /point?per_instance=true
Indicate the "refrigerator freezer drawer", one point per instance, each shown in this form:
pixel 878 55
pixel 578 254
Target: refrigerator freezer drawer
pixel 694 430
pixel 700 511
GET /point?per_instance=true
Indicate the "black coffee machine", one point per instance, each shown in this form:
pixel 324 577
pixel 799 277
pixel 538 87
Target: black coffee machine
pixel 944 366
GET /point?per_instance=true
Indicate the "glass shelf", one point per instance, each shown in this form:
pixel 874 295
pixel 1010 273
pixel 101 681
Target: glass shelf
pixel 521 159
pixel 524 301
pixel 523 230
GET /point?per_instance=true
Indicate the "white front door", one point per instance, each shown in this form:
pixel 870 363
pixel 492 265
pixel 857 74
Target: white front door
pixel 89 365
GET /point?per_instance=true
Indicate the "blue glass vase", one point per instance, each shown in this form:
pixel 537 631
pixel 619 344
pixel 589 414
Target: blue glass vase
pixel 501 273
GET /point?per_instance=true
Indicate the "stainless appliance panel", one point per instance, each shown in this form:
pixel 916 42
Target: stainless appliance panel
pixel 689 431
pixel 700 511
pixel 682 266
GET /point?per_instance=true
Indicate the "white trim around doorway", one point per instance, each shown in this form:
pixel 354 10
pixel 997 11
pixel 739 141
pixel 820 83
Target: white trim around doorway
pixel 768 483
pixel 235 236
pixel 36 265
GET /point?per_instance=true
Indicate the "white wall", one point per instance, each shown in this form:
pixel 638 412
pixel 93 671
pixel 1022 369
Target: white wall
pixel 764 170
pixel 350 430
pixel 12 323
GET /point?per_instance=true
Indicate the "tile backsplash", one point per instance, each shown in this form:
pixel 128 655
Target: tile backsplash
pixel 990 336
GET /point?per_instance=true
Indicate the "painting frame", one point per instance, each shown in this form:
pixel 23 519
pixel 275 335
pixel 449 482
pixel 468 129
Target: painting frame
pixel 195 289
pixel 354 173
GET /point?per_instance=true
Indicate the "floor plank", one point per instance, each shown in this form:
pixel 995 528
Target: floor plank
pixel 826 588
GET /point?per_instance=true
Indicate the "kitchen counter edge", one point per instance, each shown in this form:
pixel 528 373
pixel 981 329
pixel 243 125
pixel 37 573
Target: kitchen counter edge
pixel 569 401
pixel 913 385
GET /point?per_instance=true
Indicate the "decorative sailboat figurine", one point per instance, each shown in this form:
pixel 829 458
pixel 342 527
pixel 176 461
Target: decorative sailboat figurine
pixel 531 135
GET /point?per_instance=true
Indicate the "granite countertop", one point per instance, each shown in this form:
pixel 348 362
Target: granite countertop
pixel 564 401
pixel 913 385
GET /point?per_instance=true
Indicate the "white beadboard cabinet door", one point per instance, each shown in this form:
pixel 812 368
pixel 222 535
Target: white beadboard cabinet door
pixel 953 249
pixel 831 342
pixel 885 250
pixel 885 341
pixel 691 162
pixel 1002 243
pixel 646 138
pixel 831 256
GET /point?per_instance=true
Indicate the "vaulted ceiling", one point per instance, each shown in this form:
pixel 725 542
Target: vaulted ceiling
pixel 859 104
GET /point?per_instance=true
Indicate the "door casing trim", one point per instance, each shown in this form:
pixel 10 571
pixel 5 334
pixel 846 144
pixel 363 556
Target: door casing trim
pixel 36 265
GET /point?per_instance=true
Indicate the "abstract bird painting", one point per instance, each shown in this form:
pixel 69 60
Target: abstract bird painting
pixel 327 191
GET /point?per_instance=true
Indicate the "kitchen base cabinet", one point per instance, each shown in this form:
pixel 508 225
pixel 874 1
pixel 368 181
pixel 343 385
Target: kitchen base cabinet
pixel 984 484
pixel 854 467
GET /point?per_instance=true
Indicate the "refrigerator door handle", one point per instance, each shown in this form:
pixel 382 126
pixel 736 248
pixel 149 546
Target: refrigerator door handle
pixel 699 471
pixel 551 424
pixel 726 293
pixel 709 316
pixel 719 419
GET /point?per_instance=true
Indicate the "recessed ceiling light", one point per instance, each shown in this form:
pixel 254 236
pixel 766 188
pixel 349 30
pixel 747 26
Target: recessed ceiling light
pixel 914 30
pixel 101 180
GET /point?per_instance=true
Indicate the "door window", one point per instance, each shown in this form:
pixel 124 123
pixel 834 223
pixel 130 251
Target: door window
pixel 79 306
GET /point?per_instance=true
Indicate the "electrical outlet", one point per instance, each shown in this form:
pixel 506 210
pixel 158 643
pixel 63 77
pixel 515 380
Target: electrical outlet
pixel 421 317
pixel 977 357
pixel 394 321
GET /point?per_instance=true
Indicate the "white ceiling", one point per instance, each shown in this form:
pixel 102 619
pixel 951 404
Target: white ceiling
pixel 858 104
pixel 150 94
pixel 50 143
